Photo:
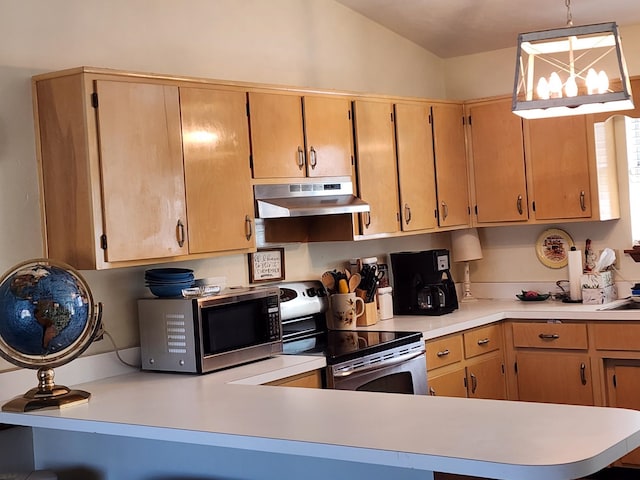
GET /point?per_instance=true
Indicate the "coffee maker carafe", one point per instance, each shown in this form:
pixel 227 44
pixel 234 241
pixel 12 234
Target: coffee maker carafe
pixel 422 283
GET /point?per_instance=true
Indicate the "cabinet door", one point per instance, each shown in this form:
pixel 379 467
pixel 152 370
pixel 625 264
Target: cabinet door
pixel 416 174
pixel 377 177
pixel 497 149
pixel 623 391
pixel 142 172
pixel 216 161
pixel 450 384
pixel 554 378
pixel 559 167
pixel 486 378
pixel 328 131
pixel 277 137
pixel 451 165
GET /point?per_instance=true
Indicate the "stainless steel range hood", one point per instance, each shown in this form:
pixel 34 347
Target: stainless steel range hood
pixel 327 196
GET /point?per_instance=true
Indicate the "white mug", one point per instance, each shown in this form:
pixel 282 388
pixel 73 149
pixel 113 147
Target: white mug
pixel 343 311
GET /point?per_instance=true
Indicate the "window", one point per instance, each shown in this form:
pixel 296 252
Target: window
pixel 619 137
pixel 632 133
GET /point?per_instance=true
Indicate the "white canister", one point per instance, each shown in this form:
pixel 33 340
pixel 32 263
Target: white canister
pixel 385 303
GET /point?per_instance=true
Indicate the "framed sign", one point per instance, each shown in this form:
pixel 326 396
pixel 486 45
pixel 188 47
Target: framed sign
pixel 553 248
pixel 266 265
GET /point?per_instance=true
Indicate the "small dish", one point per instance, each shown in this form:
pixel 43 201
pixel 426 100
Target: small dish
pixel 635 298
pixel 540 297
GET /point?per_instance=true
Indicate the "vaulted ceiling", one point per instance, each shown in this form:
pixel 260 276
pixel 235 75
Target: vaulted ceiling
pixel 451 28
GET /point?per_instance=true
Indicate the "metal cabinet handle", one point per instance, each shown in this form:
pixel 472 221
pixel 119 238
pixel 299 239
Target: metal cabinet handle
pixel 583 205
pixel 248 227
pixel 583 375
pixel 180 233
pixel 443 353
pixel 432 392
pixel 313 161
pixel 407 213
pixel 474 383
pixel 483 341
pixel 367 222
pixel 519 204
pixel 300 158
pixel 445 211
pixel 549 336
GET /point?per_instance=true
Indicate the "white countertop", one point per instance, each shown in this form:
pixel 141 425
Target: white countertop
pixel 497 439
pixel 483 312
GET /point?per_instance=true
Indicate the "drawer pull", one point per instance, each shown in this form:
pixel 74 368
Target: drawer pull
pixel 443 353
pixel 483 341
pixel 474 383
pixel 549 336
pixel 583 376
pixel 432 392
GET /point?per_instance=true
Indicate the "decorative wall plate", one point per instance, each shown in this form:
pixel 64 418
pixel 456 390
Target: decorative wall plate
pixel 553 248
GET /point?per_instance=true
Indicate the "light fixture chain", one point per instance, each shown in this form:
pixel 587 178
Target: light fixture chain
pixel 569 16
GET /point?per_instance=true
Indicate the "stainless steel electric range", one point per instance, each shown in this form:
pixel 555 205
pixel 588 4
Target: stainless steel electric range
pixel 367 360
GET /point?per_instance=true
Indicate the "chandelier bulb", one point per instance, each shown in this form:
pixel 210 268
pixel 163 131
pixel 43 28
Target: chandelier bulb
pixel 543 89
pixel 571 87
pixel 555 86
pixel 592 82
pixel 603 82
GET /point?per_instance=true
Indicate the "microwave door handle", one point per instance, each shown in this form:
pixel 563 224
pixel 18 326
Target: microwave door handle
pixel 369 368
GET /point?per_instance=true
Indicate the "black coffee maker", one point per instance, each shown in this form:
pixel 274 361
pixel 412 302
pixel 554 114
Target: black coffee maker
pixel 422 283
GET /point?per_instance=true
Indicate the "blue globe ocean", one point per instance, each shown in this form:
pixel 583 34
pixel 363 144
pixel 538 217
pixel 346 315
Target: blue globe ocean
pixel 44 309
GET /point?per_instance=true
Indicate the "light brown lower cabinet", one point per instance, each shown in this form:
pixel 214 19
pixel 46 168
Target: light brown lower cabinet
pixel 551 362
pixel 553 377
pixel 304 380
pixel 469 364
pixel 623 391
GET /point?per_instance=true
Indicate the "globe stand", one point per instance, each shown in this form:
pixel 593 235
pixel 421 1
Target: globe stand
pixel 46 395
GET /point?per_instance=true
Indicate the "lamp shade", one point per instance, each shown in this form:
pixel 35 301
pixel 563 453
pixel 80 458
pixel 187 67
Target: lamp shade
pixel 465 245
pixel 571 71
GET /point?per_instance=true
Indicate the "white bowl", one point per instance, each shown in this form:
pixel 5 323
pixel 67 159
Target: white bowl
pixel 635 298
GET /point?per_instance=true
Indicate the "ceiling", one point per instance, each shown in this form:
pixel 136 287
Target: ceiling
pixel 451 28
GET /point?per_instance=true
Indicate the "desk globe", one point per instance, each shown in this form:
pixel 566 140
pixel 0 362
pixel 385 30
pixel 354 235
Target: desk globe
pixel 47 318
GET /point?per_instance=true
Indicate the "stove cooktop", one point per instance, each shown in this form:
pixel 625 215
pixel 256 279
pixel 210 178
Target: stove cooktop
pixel 343 345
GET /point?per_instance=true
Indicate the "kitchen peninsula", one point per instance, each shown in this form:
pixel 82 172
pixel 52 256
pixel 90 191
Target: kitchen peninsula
pixel 224 425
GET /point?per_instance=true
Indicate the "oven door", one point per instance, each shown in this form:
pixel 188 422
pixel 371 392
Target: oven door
pixel 401 370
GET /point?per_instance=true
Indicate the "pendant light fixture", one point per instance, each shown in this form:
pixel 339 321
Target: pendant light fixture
pixel 571 71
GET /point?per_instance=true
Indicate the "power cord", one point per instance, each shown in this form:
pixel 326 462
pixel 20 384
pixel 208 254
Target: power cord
pixel 117 350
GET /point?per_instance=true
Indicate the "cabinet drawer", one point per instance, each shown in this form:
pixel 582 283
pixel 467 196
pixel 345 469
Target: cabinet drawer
pixel 482 340
pixel 616 336
pixel 550 335
pixel 444 351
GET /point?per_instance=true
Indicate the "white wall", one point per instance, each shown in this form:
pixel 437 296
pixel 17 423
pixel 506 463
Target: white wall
pixel 314 43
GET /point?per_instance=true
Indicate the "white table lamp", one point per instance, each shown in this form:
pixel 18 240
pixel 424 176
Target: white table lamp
pixel 465 246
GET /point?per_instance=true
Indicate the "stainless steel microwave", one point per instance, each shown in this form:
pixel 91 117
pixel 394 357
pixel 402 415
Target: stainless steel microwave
pixel 200 335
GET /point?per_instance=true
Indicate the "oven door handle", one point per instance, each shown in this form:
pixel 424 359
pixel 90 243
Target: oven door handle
pixel 387 363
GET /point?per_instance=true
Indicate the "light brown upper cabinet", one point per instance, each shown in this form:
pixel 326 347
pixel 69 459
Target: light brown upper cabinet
pixel 297 137
pixel 558 167
pixel 451 165
pixel 497 161
pixel 115 186
pixel 217 172
pixel 376 166
pixel 416 173
pixel 111 170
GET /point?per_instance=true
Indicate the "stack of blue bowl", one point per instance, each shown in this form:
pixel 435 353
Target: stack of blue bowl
pixel 168 282
pixel 635 293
